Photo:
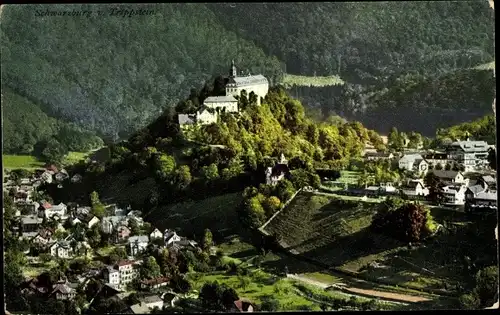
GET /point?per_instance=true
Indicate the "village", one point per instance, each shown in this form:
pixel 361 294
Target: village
pixel 114 249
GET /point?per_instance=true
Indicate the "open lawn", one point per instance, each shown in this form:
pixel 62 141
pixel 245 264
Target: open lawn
pixel 34 269
pixel 336 233
pixel 191 218
pixel 75 157
pixel 21 161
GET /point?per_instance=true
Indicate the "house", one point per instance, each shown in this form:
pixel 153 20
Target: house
pixel 52 169
pixel 387 187
pixel 454 194
pixel 258 84
pixel 420 166
pixel 186 120
pixel 31 223
pixel 43 237
pixel 46 177
pixel 171 237
pixel 473 190
pixel 61 249
pixel 415 188
pixel 205 117
pixel 138 244
pixel 488 181
pixel 122 233
pixel 484 198
pixel 155 283
pixel 112 276
pixel 169 299
pixel 61 176
pixel 278 172
pixel 128 272
pixel 76 178
pixel 146 304
pixel 88 220
pixel 155 234
pixel 49 211
pixel 472 155
pixel 62 290
pixel 111 223
pixel 21 197
pixel 450 176
pixel 224 103
pixel 375 156
pixel 408 160
pixel 242 306
pixel 437 158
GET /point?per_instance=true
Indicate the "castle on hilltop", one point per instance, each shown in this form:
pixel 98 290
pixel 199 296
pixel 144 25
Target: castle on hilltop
pixel 258 84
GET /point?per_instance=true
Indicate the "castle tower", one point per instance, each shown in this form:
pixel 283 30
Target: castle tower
pixel 232 72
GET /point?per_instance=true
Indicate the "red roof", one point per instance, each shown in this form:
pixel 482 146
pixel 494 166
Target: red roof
pixel 242 305
pixel 124 262
pixel 46 205
pixel 156 280
pixel 52 168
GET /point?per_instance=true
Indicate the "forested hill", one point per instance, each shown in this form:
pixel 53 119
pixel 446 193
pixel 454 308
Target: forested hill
pixel 115 74
pixel 367 42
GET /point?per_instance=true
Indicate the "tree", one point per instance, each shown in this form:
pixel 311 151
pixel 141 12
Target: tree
pixel 164 165
pixel 183 176
pixel 98 209
pixel 435 186
pixel 207 240
pixel 149 269
pixel 210 173
pixel 116 254
pixel 469 301
pixel 134 226
pixel 271 205
pixel 270 304
pixel 487 285
pixel 53 152
pixel 410 222
pixel 94 236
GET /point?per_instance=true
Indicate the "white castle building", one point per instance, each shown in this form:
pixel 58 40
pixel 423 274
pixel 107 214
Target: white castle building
pixel 258 84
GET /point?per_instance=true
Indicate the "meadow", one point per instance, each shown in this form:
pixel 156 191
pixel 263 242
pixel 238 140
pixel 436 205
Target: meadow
pixel 291 80
pixel 21 161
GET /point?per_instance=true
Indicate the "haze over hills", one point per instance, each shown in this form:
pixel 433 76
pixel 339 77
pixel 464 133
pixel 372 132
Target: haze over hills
pixel 115 75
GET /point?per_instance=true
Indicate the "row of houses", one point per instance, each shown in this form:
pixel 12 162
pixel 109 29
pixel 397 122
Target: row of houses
pixel 457 190
pixel 469 155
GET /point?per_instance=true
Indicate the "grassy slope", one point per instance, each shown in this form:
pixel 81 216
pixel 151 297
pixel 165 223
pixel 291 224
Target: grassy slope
pixel 320 228
pixel 20 161
pixel 291 80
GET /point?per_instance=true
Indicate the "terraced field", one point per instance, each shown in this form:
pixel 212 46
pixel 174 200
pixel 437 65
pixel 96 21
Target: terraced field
pixel 335 233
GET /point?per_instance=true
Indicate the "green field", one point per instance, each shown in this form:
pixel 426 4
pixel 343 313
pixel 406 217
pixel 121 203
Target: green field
pixel 291 80
pixel 486 66
pixel 75 157
pixel 21 161
pixel 191 218
pixel 336 233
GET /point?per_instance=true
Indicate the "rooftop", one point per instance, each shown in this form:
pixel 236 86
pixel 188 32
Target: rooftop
pixel 220 99
pixel 138 238
pixel 248 80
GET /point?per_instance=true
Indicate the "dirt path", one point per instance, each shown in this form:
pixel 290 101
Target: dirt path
pixel 405 298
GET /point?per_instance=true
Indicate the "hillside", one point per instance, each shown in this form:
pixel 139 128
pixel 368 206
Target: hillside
pixel 116 74
pixel 367 42
pixel 336 232
pixel 29 130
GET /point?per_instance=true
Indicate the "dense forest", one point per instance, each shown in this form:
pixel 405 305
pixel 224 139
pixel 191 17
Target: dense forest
pixel 367 42
pixel 115 75
pixel 28 130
